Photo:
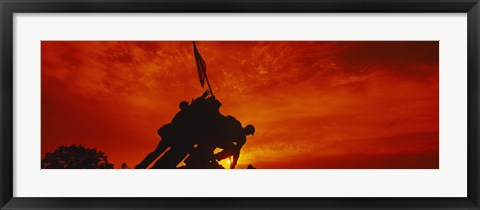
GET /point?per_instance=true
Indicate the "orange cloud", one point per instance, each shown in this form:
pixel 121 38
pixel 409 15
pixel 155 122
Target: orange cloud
pixel 314 104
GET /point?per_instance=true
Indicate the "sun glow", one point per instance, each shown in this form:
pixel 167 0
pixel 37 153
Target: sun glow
pixel 226 162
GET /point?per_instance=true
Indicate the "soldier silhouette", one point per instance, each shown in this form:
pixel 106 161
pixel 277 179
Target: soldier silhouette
pixel 165 132
pixel 197 130
pixel 232 139
pixel 190 125
pixel 168 137
pixel 228 135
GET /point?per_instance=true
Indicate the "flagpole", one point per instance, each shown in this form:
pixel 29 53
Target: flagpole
pixel 208 83
pixel 205 73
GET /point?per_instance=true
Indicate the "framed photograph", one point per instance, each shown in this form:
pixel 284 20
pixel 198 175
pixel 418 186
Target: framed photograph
pixel 239 105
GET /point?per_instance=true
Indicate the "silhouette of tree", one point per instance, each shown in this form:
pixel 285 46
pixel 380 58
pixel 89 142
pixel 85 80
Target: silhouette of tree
pixel 76 157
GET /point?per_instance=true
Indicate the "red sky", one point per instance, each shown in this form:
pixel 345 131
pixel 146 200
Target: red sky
pixel 324 104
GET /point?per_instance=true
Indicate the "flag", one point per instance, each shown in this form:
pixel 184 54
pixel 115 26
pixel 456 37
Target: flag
pixel 201 66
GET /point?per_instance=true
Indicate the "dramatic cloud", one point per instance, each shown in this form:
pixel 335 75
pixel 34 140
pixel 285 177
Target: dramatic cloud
pixel 314 104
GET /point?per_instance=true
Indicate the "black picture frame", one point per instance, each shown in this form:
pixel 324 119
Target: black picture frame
pixel 9 7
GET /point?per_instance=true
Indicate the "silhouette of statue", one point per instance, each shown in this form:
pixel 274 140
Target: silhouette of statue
pixel 167 133
pixel 232 139
pixel 181 131
pixel 195 132
pixel 202 158
pixel 189 128
pixel 228 135
pixel 164 143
